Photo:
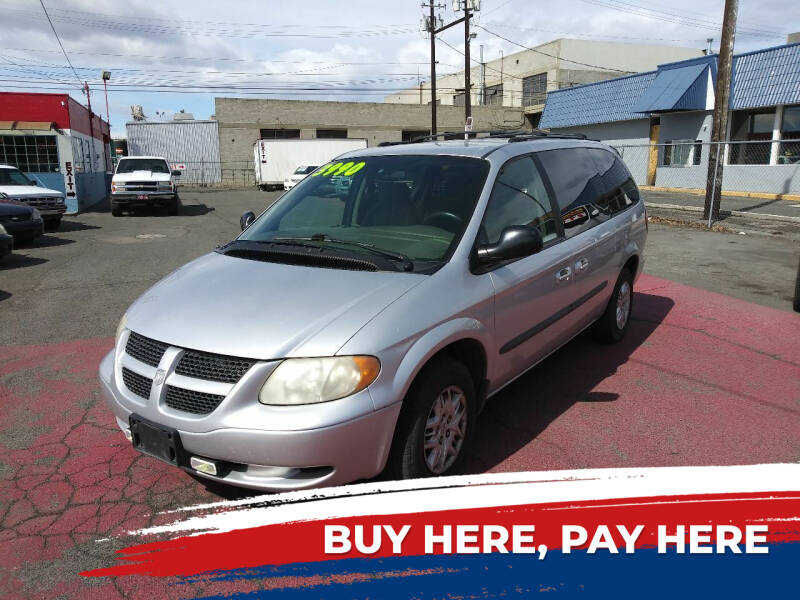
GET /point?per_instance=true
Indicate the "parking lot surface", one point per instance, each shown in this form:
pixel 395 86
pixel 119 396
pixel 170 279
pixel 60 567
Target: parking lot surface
pixel 702 378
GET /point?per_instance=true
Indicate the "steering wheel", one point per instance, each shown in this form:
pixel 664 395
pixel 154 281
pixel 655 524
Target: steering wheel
pixel 445 220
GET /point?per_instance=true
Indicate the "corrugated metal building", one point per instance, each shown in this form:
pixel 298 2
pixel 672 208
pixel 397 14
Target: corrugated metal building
pixel 661 121
pixel 192 146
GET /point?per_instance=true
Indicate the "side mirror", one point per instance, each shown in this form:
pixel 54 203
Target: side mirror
pixel 516 241
pixel 176 173
pixel 247 219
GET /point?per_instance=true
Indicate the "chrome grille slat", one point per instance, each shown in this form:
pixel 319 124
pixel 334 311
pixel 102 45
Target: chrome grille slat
pixel 138 384
pixel 144 349
pixel 198 403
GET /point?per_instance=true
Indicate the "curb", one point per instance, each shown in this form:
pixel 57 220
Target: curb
pixel 727 213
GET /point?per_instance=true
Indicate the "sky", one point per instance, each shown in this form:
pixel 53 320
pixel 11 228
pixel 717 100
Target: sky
pixel 169 56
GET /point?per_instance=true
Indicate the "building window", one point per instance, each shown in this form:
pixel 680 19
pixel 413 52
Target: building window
pixel 409 135
pixel 279 134
pixel 335 134
pixel 789 151
pixel 753 132
pixel 682 153
pixel 459 99
pixel 493 95
pixel 534 89
pixel 30 153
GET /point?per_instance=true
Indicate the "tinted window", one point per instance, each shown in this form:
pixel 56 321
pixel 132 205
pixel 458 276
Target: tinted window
pixel 416 205
pixel 618 189
pixel 518 198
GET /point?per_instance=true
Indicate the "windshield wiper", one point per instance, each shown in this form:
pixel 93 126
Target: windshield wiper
pixel 407 263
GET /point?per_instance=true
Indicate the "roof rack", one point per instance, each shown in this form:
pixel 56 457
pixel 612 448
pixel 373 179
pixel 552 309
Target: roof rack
pixel 512 136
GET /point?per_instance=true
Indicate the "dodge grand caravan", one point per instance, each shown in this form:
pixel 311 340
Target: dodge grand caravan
pixel 355 328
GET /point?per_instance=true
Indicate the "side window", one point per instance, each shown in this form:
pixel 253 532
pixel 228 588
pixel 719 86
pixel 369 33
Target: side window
pixel 519 197
pixel 619 191
pixel 579 186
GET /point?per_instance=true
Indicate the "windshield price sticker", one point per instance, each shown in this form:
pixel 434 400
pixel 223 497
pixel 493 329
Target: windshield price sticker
pixel 339 169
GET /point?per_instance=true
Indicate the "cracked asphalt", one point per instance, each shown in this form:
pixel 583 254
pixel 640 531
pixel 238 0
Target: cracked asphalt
pixel 701 378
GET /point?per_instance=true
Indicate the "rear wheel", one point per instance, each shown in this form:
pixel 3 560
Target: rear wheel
pixel 436 424
pixel 611 327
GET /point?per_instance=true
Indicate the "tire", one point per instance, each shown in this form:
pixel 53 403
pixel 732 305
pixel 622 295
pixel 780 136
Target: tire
pixel 52 224
pixel 173 208
pixel 116 210
pixel 444 386
pixel 611 327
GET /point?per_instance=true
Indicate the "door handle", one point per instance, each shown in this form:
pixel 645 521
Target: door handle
pixel 581 264
pixel 563 275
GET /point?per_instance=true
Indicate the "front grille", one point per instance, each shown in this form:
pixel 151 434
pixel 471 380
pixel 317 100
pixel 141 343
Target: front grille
pixel 198 403
pixel 214 367
pixel 138 186
pixel 144 349
pixel 138 384
pixel 44 202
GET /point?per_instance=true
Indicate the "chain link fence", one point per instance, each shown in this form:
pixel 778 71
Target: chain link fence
pixel 768 167
pixel 234 174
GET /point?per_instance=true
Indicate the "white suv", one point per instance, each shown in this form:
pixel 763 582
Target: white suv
pixel 18 186
pixel 144 181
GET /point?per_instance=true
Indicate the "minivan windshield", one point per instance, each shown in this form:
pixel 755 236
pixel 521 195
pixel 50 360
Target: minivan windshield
pixel 415 206
pixel 154 165
pixel 13 177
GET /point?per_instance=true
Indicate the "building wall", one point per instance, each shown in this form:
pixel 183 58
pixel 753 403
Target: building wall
pixel 192 146
pixel 566 61
pixel 240 121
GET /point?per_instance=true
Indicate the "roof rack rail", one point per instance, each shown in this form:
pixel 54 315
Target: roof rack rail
pixel 512 136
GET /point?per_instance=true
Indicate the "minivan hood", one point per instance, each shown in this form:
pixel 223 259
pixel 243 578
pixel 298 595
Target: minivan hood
pixel 240 307
pixel 140 176
pixel 29 191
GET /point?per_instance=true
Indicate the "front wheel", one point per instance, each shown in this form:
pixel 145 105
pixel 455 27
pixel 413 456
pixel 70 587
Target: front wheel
pixel 436 424
pixel 173 208
pixel 611 327
pixel 116 210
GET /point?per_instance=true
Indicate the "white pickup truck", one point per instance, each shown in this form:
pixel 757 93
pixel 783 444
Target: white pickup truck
pixel 144 181
pixel 18 186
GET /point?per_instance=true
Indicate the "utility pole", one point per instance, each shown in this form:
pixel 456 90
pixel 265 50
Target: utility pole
pixel 483 79
pixel 91 124
pixel 467 84
pixel 430 26
pixel 719 124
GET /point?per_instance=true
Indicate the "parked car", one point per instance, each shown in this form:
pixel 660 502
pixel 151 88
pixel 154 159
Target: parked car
pixel 6 243
pixel 141 181
pixel 355 328
pixel 18 186
pixel 299 174
pixel 19 220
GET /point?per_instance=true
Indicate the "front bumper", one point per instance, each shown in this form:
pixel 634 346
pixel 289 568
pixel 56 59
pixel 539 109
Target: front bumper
pixel 25 230
pixel 6 244
pixel 268 448
pixel 142 197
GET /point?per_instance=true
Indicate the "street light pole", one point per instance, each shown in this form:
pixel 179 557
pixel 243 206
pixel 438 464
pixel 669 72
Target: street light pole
pixel 432 29
pixel 106 76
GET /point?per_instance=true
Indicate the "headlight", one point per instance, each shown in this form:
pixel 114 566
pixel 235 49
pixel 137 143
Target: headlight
pixel 311 380
pixel 113 187
pixel 120 328
pixel 165 185
pixel 2 229
pixel 36 215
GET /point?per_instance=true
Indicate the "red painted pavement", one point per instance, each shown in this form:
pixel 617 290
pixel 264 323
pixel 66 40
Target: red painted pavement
pixel 701 379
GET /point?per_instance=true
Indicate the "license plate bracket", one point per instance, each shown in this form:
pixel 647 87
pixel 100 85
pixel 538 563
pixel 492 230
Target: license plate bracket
pixel 163 443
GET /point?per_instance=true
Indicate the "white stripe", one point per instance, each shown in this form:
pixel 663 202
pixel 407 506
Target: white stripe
pixel 477 491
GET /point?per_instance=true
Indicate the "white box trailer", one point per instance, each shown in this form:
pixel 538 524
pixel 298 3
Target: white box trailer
pixel 276 160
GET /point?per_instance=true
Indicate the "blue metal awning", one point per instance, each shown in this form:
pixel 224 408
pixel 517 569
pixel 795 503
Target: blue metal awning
pixel 675 89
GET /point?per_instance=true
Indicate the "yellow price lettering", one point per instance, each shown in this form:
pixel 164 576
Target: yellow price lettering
pixel 355 169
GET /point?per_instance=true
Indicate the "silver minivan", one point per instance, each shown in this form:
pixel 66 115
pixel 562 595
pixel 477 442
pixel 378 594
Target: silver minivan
pixel 352 329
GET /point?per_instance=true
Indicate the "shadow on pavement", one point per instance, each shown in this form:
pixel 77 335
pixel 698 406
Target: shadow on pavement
pixel 45 241
pixel 518 414
pixel 16 261
pixel 69 226
pixel 4 295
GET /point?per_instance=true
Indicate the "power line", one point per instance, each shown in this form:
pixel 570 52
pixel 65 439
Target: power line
pixel 59 42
